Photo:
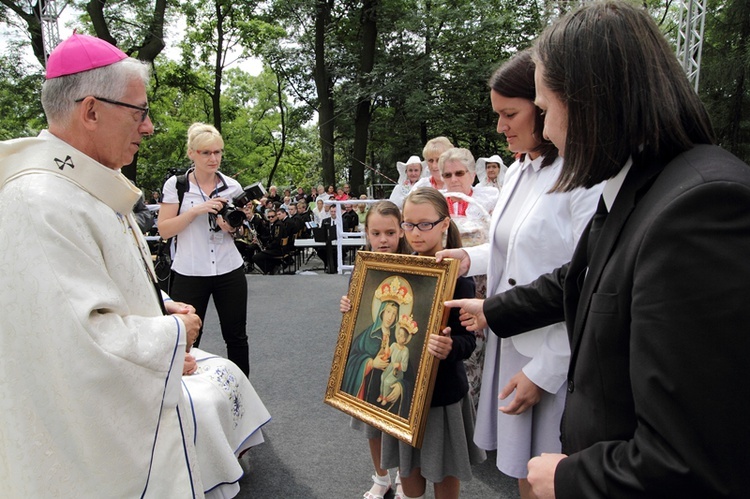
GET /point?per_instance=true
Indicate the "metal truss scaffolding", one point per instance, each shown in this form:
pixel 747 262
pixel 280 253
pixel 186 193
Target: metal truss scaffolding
pixel 50 31
pixel 690 37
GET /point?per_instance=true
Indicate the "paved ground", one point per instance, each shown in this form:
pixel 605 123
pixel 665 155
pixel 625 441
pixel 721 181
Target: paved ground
pixel 310 451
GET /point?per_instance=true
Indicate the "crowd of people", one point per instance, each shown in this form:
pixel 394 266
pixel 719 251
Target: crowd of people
pixel 266 237
pixel 594 339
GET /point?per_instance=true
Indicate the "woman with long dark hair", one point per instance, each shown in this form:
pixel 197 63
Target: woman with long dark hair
pixel 531 232
pixel 655 295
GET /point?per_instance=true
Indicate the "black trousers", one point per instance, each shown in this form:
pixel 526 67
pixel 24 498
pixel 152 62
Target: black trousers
pixel 230 298
pixel 267 260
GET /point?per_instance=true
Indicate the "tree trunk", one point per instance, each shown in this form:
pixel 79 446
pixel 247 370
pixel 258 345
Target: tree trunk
pixel 423 129
pixel 363 112
pixel 282 112
pixel 218 66
pixel 324 87
pixel 150 47
pixel 33 26
pixel 734 134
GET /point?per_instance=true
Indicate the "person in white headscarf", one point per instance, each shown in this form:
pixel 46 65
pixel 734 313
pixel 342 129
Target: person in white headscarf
pixel 408 175
pixel 491 171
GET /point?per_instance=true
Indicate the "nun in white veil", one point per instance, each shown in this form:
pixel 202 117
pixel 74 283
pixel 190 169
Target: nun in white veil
pixel 408 175
pixel 491 171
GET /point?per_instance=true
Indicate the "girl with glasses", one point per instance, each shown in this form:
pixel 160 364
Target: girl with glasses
pixel 447 451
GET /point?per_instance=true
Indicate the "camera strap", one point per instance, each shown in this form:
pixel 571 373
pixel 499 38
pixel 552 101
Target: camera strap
pixel 182 185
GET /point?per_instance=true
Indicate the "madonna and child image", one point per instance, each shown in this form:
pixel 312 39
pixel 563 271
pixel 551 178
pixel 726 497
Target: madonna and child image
pixel 388 340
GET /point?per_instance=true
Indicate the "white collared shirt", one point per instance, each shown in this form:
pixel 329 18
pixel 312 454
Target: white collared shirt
pixel 201 251
pixel 613 185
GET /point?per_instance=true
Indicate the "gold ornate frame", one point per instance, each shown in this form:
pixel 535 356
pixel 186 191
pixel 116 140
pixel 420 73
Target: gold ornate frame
pixel 420 287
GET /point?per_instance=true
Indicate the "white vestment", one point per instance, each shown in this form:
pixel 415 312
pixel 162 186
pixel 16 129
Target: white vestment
pixel 228 416
pixel 91 403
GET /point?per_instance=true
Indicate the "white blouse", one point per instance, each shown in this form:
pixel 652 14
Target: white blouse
pixel 199 250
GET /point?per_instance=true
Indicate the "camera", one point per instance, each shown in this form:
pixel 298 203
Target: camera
pixel 232 212
pixel 174 172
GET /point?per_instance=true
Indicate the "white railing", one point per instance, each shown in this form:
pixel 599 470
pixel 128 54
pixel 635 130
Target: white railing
pixel 340 234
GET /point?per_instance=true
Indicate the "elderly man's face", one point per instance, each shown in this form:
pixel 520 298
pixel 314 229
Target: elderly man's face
pixel 121 129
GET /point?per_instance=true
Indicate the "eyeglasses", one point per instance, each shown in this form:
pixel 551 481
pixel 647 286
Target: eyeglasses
pixel 208 154
pixel 422 226
pixel 458 174
pixel 143 110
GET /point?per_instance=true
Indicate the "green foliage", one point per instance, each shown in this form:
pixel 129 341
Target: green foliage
pixel 725 73
pixel 128 21
pixel 431 67
pixel 432 61
pixel 251 131
pixel 20 106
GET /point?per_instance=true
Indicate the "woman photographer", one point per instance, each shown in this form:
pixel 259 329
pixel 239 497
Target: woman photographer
pixel 206 261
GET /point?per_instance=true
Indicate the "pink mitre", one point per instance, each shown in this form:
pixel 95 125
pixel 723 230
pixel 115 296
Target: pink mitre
pixel 81 53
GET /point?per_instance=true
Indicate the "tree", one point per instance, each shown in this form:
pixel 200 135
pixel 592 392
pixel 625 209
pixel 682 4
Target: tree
pixel 259 144
pixel 20 105
pixel 212 37
pixel 725 73
pixel 363 115
pixel 30 14
pixel 324 85
pixel 133 26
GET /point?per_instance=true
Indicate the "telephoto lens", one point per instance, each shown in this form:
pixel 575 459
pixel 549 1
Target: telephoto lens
pixel 232 215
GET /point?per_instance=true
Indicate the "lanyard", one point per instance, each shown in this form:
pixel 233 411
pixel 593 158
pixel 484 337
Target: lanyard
pixel 216 187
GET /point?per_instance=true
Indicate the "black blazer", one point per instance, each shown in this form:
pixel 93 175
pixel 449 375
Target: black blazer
pixel 659 327
pixel 451 384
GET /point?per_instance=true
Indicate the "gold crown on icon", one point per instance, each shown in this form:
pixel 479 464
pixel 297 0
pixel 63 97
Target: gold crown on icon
pixel 393 290
pixel 408 323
